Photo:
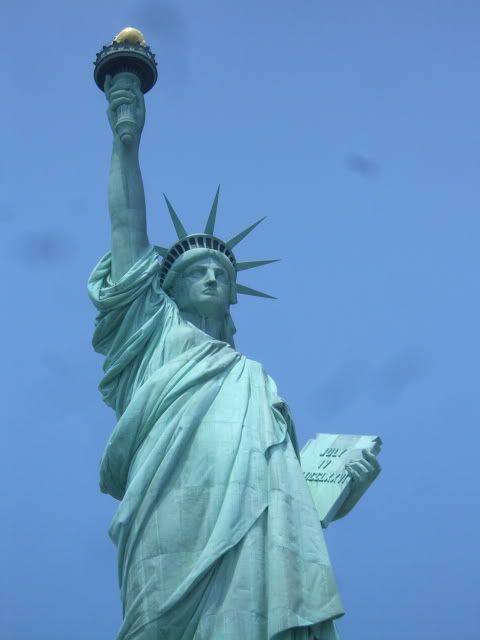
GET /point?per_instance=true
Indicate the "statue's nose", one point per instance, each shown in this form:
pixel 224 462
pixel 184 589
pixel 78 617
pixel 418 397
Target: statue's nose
pixel 210 276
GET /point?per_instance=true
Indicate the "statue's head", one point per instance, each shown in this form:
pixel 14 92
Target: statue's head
pixel 202 281
pixel 200 271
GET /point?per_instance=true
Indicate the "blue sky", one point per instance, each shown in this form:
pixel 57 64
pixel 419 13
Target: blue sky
pixel 355 127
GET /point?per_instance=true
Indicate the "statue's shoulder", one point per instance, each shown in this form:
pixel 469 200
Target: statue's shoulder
pixel 259 374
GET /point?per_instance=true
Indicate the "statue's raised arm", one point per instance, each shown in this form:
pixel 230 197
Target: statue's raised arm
pixel 125 69
pixel 126 196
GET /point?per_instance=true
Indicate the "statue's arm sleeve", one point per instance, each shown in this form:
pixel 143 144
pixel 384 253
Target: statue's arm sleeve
pixel 134 316
pixel 126 306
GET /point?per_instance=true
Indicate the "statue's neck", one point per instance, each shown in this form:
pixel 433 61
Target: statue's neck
pixel 214 327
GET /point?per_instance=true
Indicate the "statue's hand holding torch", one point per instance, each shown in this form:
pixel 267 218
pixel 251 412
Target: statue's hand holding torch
pixel 125 70
pixel 126 106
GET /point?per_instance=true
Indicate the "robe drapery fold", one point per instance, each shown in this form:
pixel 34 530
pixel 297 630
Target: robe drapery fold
pixel 217 535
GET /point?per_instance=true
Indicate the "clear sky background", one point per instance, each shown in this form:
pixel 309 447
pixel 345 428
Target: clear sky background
pixel 355 127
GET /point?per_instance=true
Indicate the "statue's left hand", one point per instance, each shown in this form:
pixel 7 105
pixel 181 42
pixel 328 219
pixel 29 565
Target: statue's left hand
pixel 362 472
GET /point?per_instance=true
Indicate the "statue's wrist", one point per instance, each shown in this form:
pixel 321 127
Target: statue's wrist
pixel 126 151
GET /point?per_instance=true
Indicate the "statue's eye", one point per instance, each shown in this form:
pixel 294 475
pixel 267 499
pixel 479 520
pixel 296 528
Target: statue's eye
pixel 221 275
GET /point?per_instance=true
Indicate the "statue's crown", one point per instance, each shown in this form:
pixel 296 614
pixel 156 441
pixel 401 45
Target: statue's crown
pixel 207 240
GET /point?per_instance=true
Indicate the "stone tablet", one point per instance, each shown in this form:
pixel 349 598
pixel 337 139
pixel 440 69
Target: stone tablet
pixel 323 462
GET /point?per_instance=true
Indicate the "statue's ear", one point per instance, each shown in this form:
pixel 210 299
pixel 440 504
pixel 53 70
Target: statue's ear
pixel 171 292
pixel 233 293
pixel 229 330
pixel 177 293
pixel 173 289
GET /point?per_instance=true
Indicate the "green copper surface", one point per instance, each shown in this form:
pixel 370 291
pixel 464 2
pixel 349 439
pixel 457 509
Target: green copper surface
pixel 238 238
pixel 179 228
pixel 210 226
pixel 252 292
pixel 217 534
pixel 253 264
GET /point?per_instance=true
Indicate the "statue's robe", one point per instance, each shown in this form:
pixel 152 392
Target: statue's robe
pixel 217 535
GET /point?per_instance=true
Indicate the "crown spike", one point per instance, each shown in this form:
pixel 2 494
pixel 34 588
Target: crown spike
pixel 179 228
pixel 210 226
pixel 253 264
pixel 238 238
pixel 241 288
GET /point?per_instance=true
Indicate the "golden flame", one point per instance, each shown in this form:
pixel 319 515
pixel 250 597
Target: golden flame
pixel 130 34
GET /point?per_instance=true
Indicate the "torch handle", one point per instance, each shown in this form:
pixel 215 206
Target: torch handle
pixel 126 125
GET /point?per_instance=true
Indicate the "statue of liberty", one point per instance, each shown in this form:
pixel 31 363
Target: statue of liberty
pixel 217 534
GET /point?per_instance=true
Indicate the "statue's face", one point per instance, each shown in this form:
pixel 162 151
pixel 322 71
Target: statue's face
pixel 203 288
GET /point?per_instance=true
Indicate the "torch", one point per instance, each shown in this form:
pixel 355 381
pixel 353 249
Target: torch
pixel 126 58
